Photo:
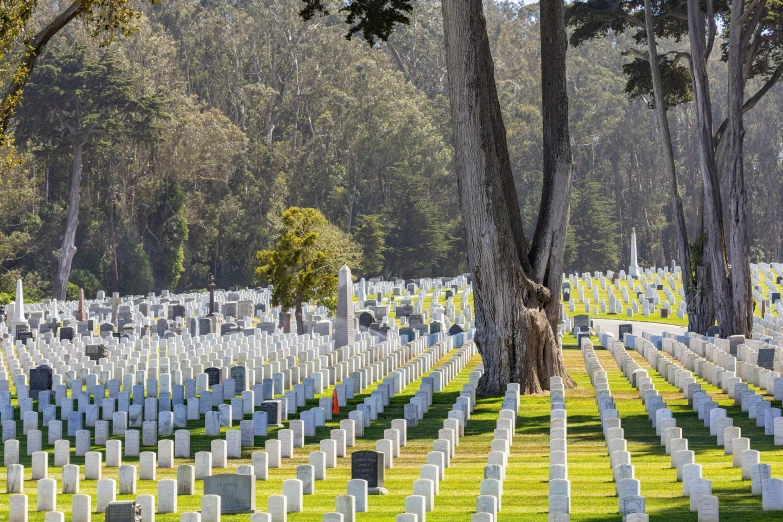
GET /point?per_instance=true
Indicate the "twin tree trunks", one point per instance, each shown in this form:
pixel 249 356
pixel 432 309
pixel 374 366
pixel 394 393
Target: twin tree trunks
pixel 516 290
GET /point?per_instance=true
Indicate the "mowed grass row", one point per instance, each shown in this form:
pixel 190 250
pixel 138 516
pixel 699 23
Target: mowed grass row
pixel 736 501
pixel 652 466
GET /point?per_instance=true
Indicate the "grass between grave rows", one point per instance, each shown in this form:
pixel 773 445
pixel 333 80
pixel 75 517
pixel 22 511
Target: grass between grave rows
pixel 457 494
pixel 652 467
pixel 525 488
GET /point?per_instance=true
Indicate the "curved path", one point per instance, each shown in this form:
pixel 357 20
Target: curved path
pixel 612 325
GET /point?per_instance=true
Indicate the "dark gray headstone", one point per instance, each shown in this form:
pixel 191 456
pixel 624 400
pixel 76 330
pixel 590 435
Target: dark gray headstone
pixel 239 374
pixel 96 352
pixel 456 329
pixel 237 492
pixel 365 320
pixel 712 331
pixel 624 329
pixel 767 358
pixel 369 466
pixel 123 511
pixel 273 413
pixel 582 320
pixel 214 376
pixel 40 378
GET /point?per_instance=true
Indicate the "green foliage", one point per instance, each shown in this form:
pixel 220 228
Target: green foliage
pixel 86 280
pixel 167 233
pixel 134 267
pixel 72 292
pixel 675 78
pixel 757 254
pixel 370 234
pixel 5 298
pixel 593 243
pixel 299 267
pixel 372 19
pixel 75 96
pixel 417 242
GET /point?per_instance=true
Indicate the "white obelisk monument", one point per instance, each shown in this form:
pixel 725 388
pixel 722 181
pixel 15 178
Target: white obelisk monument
pixel 344 325
pixel 18 319
pixel 633 269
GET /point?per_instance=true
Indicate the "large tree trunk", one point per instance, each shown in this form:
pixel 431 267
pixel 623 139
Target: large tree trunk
pixel 732 171
pixel 514 333
pixel 549 240
pixel 678 215
pixel 68 248
pixel 714 247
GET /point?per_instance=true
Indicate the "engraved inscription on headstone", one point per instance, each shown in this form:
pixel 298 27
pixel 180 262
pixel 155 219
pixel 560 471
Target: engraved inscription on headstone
pixel 237 492
pixel 369 466
pixel 123 511
pixel 214 376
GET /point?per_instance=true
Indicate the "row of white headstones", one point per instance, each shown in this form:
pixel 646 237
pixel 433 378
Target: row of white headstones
pixel 169 489
pixel 721 426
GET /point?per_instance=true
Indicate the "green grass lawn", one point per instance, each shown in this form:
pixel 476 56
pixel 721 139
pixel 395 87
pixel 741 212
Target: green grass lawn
pixel 526 485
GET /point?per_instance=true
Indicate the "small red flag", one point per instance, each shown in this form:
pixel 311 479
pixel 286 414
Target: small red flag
pixel 335 402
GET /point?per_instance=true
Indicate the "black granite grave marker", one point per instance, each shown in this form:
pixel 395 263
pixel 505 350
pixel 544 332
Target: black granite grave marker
pixel 214 376
pixel 624 329
pixel 40 379
pixel 273 413
pixel 369 466
pixel 96 352
pixel 767 358
pixel 456 329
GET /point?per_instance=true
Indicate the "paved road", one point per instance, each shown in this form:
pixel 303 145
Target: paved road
pixel 612 325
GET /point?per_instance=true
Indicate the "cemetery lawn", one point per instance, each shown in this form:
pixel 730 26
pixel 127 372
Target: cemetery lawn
pixel 595 310
pixel 526 485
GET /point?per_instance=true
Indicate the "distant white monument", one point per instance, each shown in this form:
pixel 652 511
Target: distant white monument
pixel 633 268
pixel 18 322
pixel 344 324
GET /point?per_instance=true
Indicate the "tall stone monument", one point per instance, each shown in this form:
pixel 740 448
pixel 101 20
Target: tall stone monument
pixel 81 315
pixel 343 330
pixel 18 322
pixel 633 268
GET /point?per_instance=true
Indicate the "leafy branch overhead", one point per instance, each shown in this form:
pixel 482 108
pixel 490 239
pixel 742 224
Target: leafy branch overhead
pixel 372 19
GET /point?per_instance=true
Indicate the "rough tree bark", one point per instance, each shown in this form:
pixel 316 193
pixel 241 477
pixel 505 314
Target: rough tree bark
pixel 732 171
pixel 699 314
pixel 68 248
pixel 514 311
pixel 714 244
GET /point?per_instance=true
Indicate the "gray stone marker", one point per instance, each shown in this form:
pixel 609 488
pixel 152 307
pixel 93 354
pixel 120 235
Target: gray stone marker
pixel 237 492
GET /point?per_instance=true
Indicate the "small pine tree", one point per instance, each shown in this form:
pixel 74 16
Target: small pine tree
pixel 303 265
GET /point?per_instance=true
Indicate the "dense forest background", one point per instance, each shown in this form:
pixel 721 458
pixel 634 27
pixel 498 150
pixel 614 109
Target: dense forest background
pixel 217 116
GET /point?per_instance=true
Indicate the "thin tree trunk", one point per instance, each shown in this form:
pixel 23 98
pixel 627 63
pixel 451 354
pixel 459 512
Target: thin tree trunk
pixel 619 202
pixel 515 339
pixel 678 215
pixel 298 315
pixel 549 239
pixel 68 248
pixel 714 247
pixel 732 171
